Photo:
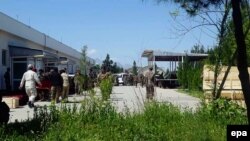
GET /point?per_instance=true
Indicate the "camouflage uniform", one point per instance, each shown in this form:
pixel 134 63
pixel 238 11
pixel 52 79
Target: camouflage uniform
pixel 92 79
pixel 141 79
pixel 149 76
pixel 135 79
pixel 77 82
pixel 102 76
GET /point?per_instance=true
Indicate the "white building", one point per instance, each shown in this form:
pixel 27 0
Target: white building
pixel 20 45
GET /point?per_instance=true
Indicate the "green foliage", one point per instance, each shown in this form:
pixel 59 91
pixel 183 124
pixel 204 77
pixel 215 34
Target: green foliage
pixel 107 63
pixel 83 81
pixel 198 49
pixel 189 75
pixel 96 68
pixel 116 69
pixel 31 129
pixel 106 86
pixel 97 120
pixel 135 68
pixel 194 93
pixel 83 60
pixel 111 66
pixel 225 111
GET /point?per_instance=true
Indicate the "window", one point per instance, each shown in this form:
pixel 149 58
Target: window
pixel 4 59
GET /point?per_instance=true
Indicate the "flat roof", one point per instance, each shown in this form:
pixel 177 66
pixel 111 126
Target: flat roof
pixel 17 28
pixel 171 56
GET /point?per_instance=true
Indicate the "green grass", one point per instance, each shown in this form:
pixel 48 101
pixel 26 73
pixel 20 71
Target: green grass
pixel 194 93
pixel 98 120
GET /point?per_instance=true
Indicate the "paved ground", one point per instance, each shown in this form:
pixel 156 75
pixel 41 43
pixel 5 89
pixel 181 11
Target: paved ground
pixel 123 98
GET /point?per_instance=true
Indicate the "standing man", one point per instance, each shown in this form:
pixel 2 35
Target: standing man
pixel 102 75
pixel 30 79
pixel 149 76
pixel 78 86
pixel 65 89
pixel 135 80
pixel 141 77
pixel 56 85
pixel 7 80
pixel 92 76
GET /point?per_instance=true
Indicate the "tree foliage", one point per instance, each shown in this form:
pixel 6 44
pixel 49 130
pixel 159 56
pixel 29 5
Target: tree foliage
pixel 110 66
pixel 83 60
pixel 135 70
pixel 189 73
pixel 200 6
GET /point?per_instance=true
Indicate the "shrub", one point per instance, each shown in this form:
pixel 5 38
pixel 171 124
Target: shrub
pixel 96 119
pixel 106 88
pixel 225 111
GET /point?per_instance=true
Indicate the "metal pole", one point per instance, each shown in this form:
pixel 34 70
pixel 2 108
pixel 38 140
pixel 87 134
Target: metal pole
pixel 154 65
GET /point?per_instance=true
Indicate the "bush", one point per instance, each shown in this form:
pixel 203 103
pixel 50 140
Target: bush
pixel 225 111
pixel 106 86
pixel 97 120
pixel 189 75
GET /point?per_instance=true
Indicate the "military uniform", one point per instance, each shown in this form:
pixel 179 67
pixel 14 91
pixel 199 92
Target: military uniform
pixel 141 79
pixel 149 76
pixel 135 79
pixel 77 78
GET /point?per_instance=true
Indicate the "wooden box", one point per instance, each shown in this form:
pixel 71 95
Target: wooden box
pixel 12 102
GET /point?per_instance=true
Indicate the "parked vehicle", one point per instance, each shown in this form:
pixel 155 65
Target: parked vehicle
pixel 122 78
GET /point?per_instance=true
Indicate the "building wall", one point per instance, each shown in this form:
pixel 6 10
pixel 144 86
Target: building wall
pixel 15 33
pixel 19 29
pixel 7 39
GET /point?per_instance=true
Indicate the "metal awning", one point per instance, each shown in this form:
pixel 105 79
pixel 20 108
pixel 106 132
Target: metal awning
pixel 65 60
pixel 22 51
pixel 46 54
pixel 171 56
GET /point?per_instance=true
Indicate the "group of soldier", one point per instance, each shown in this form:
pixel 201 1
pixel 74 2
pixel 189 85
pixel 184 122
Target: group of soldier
pixel 148 80
pixel 57 83
pixel 48 85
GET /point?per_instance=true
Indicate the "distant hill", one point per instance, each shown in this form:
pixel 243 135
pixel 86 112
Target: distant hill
pixel 98 61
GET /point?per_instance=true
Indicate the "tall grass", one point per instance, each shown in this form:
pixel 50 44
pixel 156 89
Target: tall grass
pixel 98 120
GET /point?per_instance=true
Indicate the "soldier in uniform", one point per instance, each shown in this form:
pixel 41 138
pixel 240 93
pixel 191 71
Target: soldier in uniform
pixel 135 79
pixel 92 76
pixel 149 77
pixel 101 75
pixel 141 79
pixel 77 82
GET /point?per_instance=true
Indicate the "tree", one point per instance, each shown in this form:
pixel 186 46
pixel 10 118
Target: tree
pixel 107 63
pixel 194 6
pixel 83 79
pixel 205 10
pixel 198 49
pixel 111 66
pixel 189 72
pixel 83 60
pixel 242 53
pixel 135 68
pixel 96 68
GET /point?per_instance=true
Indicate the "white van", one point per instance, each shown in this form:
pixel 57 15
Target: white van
pixel 122 78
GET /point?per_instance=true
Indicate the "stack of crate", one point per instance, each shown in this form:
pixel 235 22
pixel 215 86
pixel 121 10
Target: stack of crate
pixel 12 102
pixel 232 87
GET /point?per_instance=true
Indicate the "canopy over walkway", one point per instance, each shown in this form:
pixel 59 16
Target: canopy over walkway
pixel 173 58
pixel 153 55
